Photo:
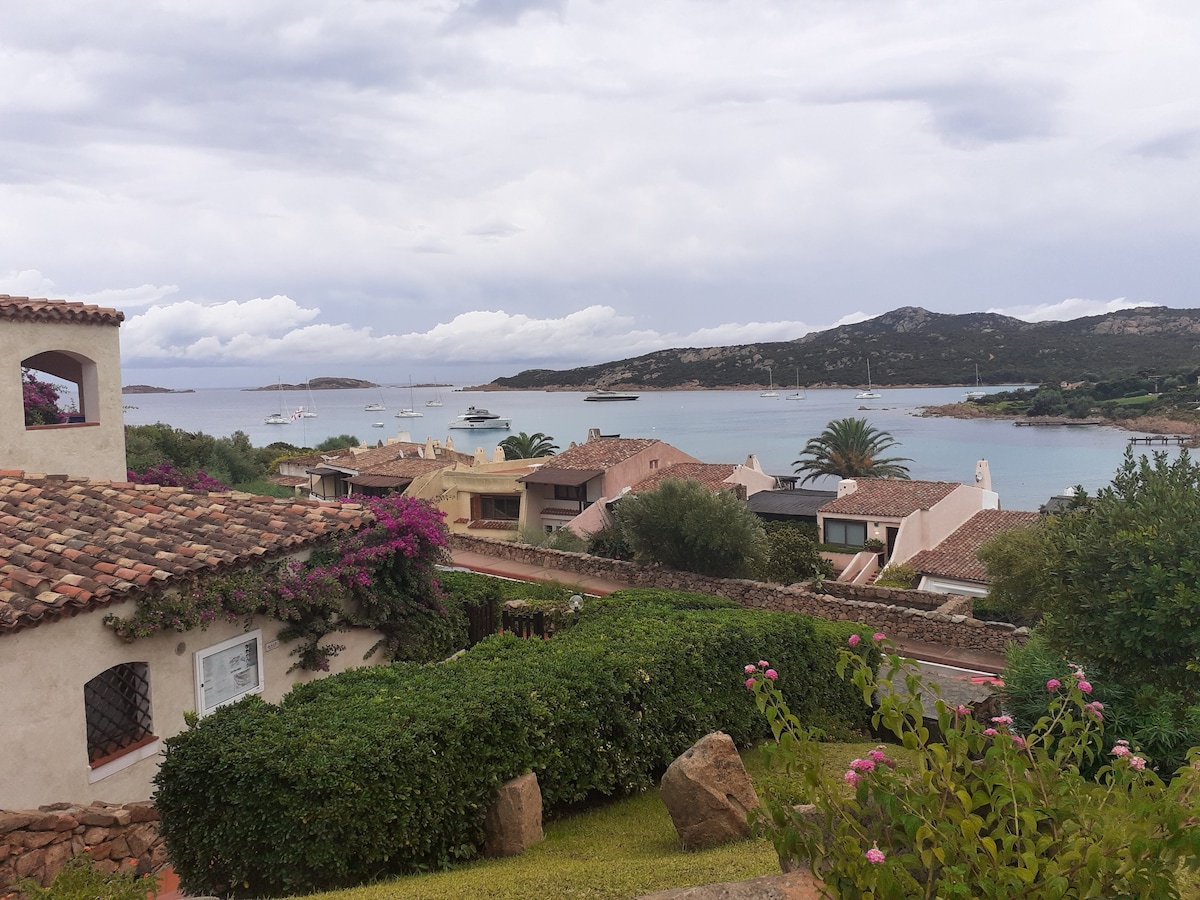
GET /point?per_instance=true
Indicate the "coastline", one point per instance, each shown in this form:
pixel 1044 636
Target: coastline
pixel 1142 424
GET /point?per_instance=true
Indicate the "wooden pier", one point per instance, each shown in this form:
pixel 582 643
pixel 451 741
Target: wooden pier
pixel 1164 439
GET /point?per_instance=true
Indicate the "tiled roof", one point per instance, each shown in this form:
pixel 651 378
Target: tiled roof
pixel 711 475
pixel 600 453
pixel 43 310
pixel 955 556
pixel 890 497
pixel 69 545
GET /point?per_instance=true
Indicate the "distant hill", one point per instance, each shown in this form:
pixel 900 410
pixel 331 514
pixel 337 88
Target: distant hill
pixel 912 346
pixel 151 389
pixel 319 384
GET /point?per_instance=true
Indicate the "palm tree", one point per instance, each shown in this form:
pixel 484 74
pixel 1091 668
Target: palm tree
pixel 850 448
pixel 528 446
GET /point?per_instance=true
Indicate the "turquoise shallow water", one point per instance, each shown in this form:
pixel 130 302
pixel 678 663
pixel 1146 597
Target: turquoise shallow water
pixel 1028 464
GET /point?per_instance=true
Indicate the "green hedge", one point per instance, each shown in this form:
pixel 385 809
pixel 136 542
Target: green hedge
pixel 390 769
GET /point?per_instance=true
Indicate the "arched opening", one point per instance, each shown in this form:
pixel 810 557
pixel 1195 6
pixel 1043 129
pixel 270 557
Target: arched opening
pixel 72 389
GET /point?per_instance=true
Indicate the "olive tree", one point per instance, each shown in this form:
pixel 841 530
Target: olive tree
pixel 684 525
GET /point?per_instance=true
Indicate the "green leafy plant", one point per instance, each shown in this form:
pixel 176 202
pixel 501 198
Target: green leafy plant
pixel 986 811
pixel 897 575
pixel 684 525
pixel 792 556
pixel 528 446
pixel 81 879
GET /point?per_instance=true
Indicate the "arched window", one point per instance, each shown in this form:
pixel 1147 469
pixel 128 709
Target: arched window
pixel 70 396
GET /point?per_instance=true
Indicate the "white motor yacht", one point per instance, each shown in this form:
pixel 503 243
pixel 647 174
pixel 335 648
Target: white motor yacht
pixel 480 418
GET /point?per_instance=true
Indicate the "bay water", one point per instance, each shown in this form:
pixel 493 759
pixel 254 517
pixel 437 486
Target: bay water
pixel 1028 464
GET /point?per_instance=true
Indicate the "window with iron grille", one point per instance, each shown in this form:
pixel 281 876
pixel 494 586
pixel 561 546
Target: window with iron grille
pixel 117 706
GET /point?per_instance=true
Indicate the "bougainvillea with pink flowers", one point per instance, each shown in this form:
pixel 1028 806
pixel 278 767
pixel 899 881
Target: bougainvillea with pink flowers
pixel 981 811
pixel 41 400
pixel 382 577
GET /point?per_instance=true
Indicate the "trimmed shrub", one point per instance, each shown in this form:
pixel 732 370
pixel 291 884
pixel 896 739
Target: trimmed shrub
pixel 390 769
pixel 897 575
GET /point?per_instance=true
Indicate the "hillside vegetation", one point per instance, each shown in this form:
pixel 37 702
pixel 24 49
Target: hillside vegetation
pixel 914 346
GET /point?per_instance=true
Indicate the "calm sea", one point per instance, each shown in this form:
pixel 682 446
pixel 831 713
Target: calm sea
pixel 1028 464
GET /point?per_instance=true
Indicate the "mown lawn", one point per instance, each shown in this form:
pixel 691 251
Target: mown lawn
pixel 620 850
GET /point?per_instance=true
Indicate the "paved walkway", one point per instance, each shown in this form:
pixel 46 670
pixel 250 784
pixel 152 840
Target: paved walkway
pixel 972 660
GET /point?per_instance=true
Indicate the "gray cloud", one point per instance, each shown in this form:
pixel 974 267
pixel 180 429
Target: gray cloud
pixel 699 169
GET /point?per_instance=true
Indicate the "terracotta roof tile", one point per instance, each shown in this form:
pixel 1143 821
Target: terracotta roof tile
pixel 712 475
pixel 890 497
pixel 955 557
pixel 600 454
pixel 43 310
pixel 138 538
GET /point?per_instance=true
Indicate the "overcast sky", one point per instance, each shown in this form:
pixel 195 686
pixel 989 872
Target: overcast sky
pixel 456 190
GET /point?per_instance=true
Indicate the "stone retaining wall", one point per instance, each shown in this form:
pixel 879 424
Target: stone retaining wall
pixel 914 615
pixel 36 843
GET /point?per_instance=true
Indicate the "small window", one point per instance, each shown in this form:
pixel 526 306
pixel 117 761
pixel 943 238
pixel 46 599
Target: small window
pixel 653 464
pixel 229 671
pixel 505 508
pixel 117 709
pixel 845 532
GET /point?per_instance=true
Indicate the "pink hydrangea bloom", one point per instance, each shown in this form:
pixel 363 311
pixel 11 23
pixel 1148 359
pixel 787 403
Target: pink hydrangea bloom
pixel 854 639
pixel 961 710
pixel 1053 685
pixel 1120 750
pixel 878 636
pixel 1136 762
pixel 875 855
pixel 762 664
pixel 990 732
pixel 1096 708
pixel 750 683
pixel 852 778
pixel 771 673
pixel 862 765
pixel 1085 686
pixel 1001 720
pixel 750 667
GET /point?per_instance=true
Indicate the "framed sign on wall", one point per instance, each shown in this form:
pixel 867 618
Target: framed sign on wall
pixel 229 671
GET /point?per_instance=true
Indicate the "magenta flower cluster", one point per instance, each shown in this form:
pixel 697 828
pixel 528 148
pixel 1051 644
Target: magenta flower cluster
pixel 316 600
pixel 40 399
pixel 168 476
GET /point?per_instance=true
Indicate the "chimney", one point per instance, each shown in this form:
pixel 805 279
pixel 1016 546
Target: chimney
pixel 593 434
pixel 983 475
pixel 846 487
pixel 752 463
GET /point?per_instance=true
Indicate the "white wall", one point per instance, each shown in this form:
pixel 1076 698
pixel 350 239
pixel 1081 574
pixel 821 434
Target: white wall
pixel 43 671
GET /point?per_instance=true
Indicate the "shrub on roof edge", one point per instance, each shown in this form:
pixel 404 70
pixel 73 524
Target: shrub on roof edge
pixel 390 769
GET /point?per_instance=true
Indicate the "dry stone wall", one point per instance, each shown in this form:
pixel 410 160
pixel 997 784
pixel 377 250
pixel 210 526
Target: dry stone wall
pixel 911 615
pixel 37 843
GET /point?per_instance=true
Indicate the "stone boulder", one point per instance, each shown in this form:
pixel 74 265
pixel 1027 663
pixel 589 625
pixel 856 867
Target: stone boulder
pixel 514 820
pixel 708 793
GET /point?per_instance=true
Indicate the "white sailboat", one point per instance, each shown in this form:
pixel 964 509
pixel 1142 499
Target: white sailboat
pixel 770 391
pixel 278 418
pixel 310 411
pixel 799 392
pixel 376 407
pixel 870 393
pixel 977 393
pixel 437 398
pixel 410 411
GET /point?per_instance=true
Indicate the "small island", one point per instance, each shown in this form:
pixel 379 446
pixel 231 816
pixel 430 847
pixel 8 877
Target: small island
pixel 319 384
pixel 151 389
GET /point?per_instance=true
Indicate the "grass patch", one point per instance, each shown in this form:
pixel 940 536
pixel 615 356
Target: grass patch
pixel 614 852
